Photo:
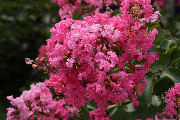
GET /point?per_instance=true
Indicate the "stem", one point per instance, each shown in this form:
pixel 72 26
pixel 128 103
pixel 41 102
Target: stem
pixel 119 104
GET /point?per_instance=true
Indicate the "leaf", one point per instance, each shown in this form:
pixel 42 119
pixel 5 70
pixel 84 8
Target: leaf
pixel 91 105
pixel 175 58
pixel 176 62
pixel 147 94
pixel 162 86
pixel 142 112
pixel 173 74
pixel 113 111
pixel 165 44
pixel 163 62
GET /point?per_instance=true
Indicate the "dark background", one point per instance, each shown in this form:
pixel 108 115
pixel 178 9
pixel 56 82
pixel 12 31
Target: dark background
pixel 24 27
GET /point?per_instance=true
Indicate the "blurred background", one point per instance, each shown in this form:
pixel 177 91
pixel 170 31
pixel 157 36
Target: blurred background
pixel 24 27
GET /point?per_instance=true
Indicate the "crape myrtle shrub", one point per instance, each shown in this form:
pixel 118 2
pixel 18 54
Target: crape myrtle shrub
pixel 97 66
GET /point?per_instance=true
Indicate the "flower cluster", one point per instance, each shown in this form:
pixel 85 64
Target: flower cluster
pixel 172 101
pixel 99 58
pixel 38 103
pixel 68 8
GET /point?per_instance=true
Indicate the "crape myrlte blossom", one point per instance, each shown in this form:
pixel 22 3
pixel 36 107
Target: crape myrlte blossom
pixel 172 101
pixel 99 58
pixel 38 103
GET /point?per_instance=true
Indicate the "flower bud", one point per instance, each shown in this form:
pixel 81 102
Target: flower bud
pixel 42 59
pixel 104 49
pixel 65 58
pixel 142 27
pixel 136 10
pixel 98 41
pixel 178 101
pixel 114 46
pixel 68 54
pixel 37 60
pixel 138 87
pixel 34 66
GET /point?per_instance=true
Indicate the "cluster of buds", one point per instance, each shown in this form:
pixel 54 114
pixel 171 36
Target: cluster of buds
pixel 136 11
pixel 40 64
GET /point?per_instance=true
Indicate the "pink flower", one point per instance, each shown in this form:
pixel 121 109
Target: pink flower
pixel 69 62
pixel 38 103
pixel 172 101
pixel 155 16
pixel 93 58
pixel 99 58
pixel 28 61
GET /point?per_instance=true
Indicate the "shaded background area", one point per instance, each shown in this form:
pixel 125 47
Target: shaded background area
pixel 24 27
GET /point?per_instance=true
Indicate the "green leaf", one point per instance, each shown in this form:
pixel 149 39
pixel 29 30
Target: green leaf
pixel 165 44
pixel 147 94
pixel 175 54
pixel 176 62
pixel 175 58
pixel 91 105
pixel 162 86
pixel 142 112
pixel 173 74
pixel 113 111
pixel 163 62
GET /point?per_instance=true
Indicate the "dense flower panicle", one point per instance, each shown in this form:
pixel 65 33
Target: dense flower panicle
pixel 38 103
pixel 100 58
pixel 172 101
